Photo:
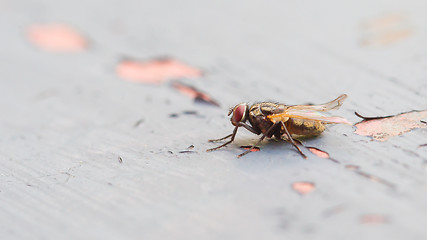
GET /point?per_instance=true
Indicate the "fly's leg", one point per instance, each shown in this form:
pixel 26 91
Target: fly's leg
pixel 259 141
pixel 240 124
pixel 217 140
pixel 292 141
pixel 233 135
pixel 249 128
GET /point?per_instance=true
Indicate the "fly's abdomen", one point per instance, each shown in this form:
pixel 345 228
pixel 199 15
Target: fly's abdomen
pixel 304 128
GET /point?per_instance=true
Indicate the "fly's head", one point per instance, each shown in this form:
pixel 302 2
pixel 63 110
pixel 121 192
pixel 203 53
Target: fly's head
pixel 240 113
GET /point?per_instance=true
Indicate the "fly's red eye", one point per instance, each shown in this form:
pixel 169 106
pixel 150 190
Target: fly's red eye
pixel 238 113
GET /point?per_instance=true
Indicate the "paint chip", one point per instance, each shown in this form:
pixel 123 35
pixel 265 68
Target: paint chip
pixel 255 149
pixel 386 30
pixel 373 219
pixel 57 38
pixel 155 71
pixel 194 93
pixel 318 152
pixel 303 188
pixel 383 128
pixel 388 38
pixel 352 167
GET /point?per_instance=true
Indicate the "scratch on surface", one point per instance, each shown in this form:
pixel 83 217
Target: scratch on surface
pixel 188 113
pixel 187 151
pixel 382 128
pixel 371 177
pixel 54 176
pixel 333 211
pixel 376 179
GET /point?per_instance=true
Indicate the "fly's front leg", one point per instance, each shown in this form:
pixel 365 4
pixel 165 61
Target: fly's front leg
pixel 260 140
pixel 249 128
pixel 241 124
pixel 217 140
pixel 233 135
pixel 292 140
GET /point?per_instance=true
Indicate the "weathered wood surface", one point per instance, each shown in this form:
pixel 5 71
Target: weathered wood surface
pixel 67 118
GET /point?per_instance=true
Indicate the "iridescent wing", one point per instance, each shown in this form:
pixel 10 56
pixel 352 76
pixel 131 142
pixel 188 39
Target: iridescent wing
pixel 332 105
pixel 311 115
pixel 314 112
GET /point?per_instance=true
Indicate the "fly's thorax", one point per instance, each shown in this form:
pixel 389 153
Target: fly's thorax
pixel 271 111
pixel 258 114
pixel 267 108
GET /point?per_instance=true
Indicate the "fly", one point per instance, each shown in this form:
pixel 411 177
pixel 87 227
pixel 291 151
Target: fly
pixel 282 121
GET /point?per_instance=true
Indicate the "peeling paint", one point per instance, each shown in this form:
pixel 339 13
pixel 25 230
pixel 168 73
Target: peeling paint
pixel 352 167
pixel 56 38
pixel 386 30
pixel 318 152
pixel 382 128
pixel 303 188
pixel 194 93
pixel 388 37
pixel 373 219
pixel 155 71
pixel 384 21
pixel 255 149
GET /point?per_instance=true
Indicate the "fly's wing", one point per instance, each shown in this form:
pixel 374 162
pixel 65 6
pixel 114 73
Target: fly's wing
pixel 309 114
pixel 314 112
pixel 332 105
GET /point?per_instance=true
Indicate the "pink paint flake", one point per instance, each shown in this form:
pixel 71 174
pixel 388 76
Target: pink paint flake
pixel 255 149
pixel 318 152
pixel 373 219
pixel 56 38
pixel 194 93
pixel 155 71
pixel 381 129
pixel 303 188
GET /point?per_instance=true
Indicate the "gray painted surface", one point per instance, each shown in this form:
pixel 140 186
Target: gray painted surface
pixel 66 119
